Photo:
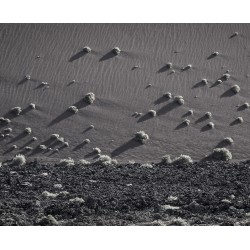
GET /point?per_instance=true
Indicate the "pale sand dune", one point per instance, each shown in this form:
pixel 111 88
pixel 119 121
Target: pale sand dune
pixel 121 91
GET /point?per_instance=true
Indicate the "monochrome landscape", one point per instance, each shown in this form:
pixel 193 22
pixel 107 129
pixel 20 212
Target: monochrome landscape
pixel 124 124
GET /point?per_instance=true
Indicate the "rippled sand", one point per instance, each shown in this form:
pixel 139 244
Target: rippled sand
pixel 121 89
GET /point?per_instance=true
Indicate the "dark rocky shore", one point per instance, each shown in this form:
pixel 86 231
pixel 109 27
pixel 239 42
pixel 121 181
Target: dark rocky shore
pixel 207 193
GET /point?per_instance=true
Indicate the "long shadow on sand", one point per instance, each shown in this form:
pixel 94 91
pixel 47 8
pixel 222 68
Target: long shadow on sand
pixel 8 150
pixel 18 137
pixel 22 81
pixel 91 154
pixel 24 151
pixel 211 56
pixel 79 146
pixel 186 114
pixel 77 56
pixel 199 85
pixel 10 115
pixel 185 69
pixel 52 153
pixel 242 107
pixel 205 128
pixel 161 100
pixel 66 114
pixel 26 110
pixel 181 125
pixel 228 93
pixel 167 108
pixel 235 122
pixel 145 118
pixel 87 129
pixel 107 56
pixel 201 119
pixel 233 35
pixel 126 146
pixel 38 150
pixel 81 104
pixel 55 143
pixel 26 144
pixel 222 144
pixel 40 86
pixel 163 69
pixel 215 84
pixel 62 147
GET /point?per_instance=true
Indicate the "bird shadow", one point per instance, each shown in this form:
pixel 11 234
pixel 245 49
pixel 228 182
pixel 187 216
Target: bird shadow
pixel 145 118
pixel 78 55
pixel 107 56
pixel 167 108
pixel 126 146
pixel 228 93
pixel 199 85
pixel 79 146
pixel 161 100
pixel 201 119
pixel 181 125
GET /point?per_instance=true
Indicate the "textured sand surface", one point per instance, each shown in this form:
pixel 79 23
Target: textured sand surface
pixel 121 91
